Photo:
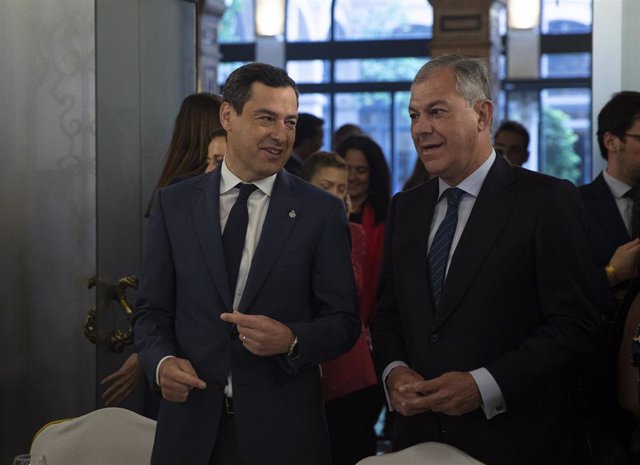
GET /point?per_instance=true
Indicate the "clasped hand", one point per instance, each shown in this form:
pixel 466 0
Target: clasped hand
pixel 452 393
pixel 260 334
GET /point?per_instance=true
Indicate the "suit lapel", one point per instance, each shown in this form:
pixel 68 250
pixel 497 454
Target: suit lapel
pixel 605 207
pixel 490 212
pixel 282 215
pixel 414 259
pixel 206 212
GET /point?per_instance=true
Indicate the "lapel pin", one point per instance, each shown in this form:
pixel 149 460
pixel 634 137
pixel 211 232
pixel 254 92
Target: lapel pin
pixel 292 214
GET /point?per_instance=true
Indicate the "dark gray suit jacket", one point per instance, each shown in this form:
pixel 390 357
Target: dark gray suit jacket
pixel 518 300
pixel 300 275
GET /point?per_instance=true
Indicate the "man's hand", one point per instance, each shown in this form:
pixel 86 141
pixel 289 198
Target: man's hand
pixel 398 378
pixel 122 382
pixel 260 334
pixel 625 260
pixel 453 393
pixel 177 377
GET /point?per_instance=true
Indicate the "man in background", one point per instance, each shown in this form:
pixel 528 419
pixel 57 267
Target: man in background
pixel 309 137
pixel 512 141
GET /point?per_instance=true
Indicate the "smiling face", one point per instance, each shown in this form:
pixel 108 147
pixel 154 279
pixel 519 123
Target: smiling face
pixel 260 139
pixel 358 175
pixel 451 137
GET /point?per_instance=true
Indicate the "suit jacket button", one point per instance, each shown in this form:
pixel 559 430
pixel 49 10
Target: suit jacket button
pixel 434 338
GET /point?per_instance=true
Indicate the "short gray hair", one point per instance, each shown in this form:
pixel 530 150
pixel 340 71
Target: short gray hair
pixel 472 75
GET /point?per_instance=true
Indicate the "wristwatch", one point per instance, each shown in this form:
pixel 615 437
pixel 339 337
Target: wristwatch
pixel 292 353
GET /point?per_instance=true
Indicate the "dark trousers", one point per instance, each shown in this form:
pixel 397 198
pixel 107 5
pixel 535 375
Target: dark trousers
pixel 351 421
pixel 225 449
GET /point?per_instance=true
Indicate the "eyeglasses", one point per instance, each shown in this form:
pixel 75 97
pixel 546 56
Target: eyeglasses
pixel 635 136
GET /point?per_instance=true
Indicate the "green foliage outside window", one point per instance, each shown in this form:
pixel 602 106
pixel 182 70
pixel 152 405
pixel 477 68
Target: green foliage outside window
pixel 558 141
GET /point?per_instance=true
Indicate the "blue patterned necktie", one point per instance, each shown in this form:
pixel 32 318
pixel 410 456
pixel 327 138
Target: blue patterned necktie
pixel 235 233
pixel 441 245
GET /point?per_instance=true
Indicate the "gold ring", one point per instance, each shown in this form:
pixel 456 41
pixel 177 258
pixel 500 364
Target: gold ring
pixel 243 337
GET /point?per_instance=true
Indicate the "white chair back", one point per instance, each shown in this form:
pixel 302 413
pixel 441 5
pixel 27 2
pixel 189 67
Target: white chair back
pixel 426 453
pixel 109 436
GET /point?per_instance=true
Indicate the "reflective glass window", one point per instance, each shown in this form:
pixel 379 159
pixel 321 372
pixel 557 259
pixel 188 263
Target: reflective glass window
pixel 377 69
pixel 308 20
pixel 565 136
pixel 318 105
pixel 567 16
pixel 382 19
pixel 226 68
pixel 404 154
pixel 369 110
pixel 309 71
pixel 565 65
pixel 238 22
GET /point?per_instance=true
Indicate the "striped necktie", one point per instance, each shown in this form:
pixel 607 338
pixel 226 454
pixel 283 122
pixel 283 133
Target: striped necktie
pixel 439 252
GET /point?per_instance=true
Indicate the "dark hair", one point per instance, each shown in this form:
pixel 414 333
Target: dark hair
pixel 514 126
pixel 472 75
pixel 617 116
pixel 379 178
pixel 220 132
pixel 186 156
pixel 237 88
pixel 419 175
pixel 345 131
pixel 306 127
pixel 321 160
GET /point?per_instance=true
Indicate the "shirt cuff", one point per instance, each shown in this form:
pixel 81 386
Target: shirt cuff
pixel 385 373
pixel 492 399
pixel 158 368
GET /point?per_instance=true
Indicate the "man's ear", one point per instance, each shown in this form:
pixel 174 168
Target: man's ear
pixel 226 112
pixel 484 110
pixel 611 142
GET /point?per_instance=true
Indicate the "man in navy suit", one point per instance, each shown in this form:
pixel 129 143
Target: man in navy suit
pixel 477 336
pixel 608 200
pixel 238 365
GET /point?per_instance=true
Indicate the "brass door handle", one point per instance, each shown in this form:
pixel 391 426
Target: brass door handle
pixel 117 339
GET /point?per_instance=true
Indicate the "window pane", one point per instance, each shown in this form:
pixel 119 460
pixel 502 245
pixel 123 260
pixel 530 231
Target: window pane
pixel 404 154
pixel 309 71
pixel 226 68
pixel 567 16
pixel 565 139
pixel 318 105
pixel 378 69
pixel 238 24
pixel 524 107
pixel 369 110
pixel 308 20
pixel 563 65
pixel 382 19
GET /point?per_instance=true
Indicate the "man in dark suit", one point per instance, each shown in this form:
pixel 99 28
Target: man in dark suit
pixel 608 200
pixel 237 365
pixel 485 303
pixel 309 136
pixel 609 205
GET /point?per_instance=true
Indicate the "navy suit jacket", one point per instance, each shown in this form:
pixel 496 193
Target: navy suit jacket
pixel 607 232
pixel 517 300
pixel 300 275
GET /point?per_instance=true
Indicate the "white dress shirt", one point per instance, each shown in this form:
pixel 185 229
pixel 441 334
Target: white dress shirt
pixel 257 206
pixel 492 398
pixel 624 204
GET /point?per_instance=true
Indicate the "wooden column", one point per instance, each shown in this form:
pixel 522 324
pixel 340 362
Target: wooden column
pixel 469 27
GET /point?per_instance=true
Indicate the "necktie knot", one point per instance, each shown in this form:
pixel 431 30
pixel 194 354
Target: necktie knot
pixel 633 193
pixel 245 190
pixel 453 196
